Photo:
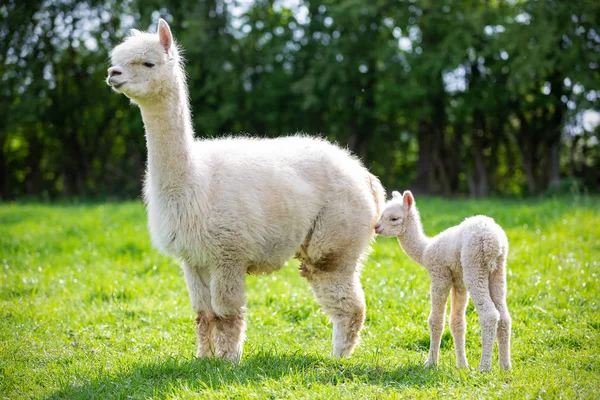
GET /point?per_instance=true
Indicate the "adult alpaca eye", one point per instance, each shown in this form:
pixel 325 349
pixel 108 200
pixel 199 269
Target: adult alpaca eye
pixel 394 219
pixel 149 64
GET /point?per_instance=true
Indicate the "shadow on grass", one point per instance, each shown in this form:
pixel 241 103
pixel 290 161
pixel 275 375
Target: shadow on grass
pixel 162 377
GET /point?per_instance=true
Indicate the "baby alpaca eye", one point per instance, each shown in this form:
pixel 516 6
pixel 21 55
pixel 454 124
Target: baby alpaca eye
pixel 394 219
pixel 149 64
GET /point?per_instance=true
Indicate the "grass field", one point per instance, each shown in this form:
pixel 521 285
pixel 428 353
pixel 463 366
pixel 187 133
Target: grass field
pixel 89 310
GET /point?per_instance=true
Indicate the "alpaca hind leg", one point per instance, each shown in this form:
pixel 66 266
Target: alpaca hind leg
pixel 198 283
pixel 228 301
pixel 439 298
pixel 498 293
pixel 342 298
pixel 340 241
pixel 478 285
pixel 458 323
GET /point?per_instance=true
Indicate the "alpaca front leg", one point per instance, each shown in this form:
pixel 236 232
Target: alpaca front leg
pixel 228 300
pixel 458 324
pixel 205 323
pixel 439 298
pixel 343 299
pixel 198 283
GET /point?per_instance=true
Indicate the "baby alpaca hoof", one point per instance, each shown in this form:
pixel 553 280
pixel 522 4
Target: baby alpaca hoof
pixel 430 364
pixel 340 355
pixel 462 364
pixel 505 366
pixel 485 368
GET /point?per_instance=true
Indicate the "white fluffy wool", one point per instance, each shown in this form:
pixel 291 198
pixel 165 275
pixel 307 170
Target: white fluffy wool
pixel 234 206
pixel 469 258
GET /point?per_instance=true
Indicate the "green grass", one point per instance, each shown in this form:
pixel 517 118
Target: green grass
pixel 89 310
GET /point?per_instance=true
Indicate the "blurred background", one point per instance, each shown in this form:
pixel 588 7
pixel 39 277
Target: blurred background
pixel 447 97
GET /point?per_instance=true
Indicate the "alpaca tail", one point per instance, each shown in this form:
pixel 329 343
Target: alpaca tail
pixel 378 195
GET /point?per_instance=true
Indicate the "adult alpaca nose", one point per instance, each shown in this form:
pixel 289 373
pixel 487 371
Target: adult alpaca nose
pixel 113 71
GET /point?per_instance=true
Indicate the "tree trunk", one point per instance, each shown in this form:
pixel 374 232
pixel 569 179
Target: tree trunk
pixel 358 143
pixel 5 190
pixel 572 155
pixel 362 130
pixel 481 178
pixel 442 172
pixel 423 180
pixel 34 178
pixel 554 170
pixel 478 140
pixel 529 170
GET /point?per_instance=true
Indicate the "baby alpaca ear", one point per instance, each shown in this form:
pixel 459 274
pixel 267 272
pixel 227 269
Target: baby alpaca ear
pixel 134 32
pixel 164 35
pixel 396 194
pixel 408 198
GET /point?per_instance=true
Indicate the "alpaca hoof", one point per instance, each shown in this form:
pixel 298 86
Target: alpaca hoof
pixel 342 353
pixel 234 356
pixel 201 353
pixel 231 357
pixel 235 359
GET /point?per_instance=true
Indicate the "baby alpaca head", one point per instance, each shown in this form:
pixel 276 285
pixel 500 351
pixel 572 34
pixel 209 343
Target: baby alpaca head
pixel 395 214
pixel 146 65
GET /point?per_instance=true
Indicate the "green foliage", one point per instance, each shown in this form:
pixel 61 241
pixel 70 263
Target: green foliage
pixel 90 310
pixel 448 97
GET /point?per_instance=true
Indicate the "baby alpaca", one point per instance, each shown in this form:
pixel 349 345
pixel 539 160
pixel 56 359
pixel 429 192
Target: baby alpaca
pixel 468 257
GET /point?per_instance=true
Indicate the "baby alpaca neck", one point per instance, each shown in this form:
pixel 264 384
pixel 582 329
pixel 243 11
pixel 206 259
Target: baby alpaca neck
pixel 412 240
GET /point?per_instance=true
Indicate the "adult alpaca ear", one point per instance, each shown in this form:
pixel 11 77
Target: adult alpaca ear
pixel 164 35
pixel 408 199
pixel 396 194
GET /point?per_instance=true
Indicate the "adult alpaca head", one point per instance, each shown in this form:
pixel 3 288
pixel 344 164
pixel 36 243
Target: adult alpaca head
pixel 147 66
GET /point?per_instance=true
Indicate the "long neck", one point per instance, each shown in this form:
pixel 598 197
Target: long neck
pixel 169 136
pixel 413 240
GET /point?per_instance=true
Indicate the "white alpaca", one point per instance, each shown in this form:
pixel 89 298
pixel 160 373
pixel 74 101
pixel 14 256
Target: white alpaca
pixel 236 206
pixel 468 257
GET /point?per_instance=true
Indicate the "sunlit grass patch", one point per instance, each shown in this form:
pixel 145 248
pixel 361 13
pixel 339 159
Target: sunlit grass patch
pixel 89 310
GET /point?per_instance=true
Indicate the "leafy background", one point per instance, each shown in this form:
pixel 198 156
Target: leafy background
pixel 447 97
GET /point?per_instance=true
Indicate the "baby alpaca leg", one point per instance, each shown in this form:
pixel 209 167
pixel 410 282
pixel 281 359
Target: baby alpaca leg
pixel 198 283
pixel 342 298
pixel 478 286
pixel 458 323
pixel 439 298
pixel 227 295
pixel 498 293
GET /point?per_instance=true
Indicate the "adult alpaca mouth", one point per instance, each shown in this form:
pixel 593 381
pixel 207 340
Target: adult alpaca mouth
pixel 113 83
